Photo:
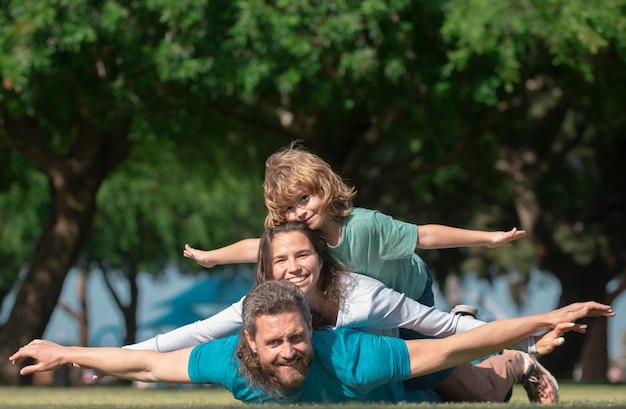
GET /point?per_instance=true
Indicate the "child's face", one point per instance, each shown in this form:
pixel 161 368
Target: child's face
pixel 306 208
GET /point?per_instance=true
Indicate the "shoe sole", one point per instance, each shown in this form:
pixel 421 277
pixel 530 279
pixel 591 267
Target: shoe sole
pixel 544 371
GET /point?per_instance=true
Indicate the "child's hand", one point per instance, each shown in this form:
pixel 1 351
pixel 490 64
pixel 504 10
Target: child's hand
pixel 501 238
pixel 200 256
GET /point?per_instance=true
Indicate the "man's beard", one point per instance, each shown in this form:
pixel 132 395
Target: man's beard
pixel 290 378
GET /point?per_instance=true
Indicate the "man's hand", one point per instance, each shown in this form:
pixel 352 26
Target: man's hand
pixel 47 356
pixel 578 310
pixel 564 320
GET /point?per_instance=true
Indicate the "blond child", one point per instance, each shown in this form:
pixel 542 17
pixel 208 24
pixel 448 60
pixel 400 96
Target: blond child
pixel 300 186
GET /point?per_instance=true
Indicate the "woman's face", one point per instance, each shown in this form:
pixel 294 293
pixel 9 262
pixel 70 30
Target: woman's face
pixel 294 259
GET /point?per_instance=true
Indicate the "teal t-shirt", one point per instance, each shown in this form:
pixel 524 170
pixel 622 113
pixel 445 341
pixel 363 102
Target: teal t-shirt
pixel 381 247
pixel 349 366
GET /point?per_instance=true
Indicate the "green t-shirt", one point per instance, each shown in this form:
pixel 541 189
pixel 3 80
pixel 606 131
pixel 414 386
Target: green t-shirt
pixel 346 368
pixel 381 247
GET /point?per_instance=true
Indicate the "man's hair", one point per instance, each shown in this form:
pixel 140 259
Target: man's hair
pixel 268 298
pixel 294 169
pixel 329 283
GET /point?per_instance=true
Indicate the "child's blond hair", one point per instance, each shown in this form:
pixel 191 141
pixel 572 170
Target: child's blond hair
pixel 293 170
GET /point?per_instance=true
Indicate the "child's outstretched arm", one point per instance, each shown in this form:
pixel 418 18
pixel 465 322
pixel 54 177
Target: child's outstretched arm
pixel 243 251
pixel 437 236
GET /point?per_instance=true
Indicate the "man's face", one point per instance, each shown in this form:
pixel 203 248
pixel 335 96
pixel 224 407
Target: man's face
pixel 283 346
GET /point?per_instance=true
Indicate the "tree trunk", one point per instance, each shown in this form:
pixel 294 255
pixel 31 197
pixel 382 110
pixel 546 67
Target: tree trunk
pixel 81 316
pixel 54 255
pixel 74 179
pixel 83 312
pixel 76 376
pixel 594 355
pixel 129 311
pixel 578 282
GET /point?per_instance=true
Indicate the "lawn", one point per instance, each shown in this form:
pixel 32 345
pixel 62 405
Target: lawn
pixel 118 397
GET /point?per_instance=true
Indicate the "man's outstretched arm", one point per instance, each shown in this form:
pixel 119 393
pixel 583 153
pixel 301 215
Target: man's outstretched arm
pixel 146 366
pixel 429 355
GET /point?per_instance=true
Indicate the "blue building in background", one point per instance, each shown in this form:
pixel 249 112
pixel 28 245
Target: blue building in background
pixel 208 295
pixel 165 303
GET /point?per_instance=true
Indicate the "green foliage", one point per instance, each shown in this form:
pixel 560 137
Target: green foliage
pixel 146 213
pixel 23 208
pixel 405 74
pixel 514 33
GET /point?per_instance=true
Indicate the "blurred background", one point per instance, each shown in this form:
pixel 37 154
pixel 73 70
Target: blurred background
pixel 128 129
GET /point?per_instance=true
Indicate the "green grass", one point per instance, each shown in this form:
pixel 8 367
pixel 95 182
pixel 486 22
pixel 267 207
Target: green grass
pixel 117 397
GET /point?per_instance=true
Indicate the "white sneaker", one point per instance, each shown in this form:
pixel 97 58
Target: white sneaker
pixel 538 382
pixel 465 310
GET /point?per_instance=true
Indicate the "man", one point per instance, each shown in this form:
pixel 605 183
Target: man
pixel 279 357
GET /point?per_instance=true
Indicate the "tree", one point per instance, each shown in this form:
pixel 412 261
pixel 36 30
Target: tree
pixel 23 193
pixel 558 94
pixel 147 213
pixel 81 316
pixel 75 141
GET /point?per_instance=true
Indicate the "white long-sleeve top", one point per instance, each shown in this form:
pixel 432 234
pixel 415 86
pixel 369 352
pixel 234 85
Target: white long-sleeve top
pixel 368 306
